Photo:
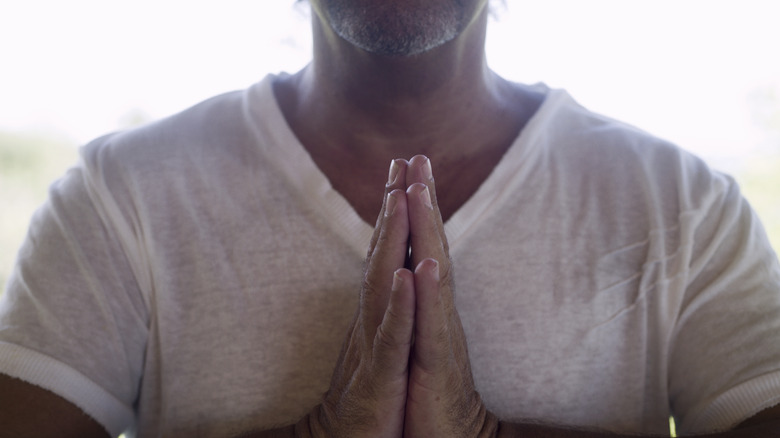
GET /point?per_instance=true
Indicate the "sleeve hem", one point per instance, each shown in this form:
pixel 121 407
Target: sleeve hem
pixel 736 405
pixel 50 374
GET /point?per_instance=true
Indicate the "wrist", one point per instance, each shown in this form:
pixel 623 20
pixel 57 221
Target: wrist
pixel 311 425
pixel 491 426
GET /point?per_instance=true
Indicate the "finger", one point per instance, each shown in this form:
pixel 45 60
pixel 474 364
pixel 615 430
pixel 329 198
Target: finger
pixel 432 347
pixel 396 179
pixel 419 170
pixel 393 339
pixel 424 231
pixel 388 256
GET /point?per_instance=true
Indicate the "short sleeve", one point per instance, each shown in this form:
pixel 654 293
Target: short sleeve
pixel 725 353
pixel 73 319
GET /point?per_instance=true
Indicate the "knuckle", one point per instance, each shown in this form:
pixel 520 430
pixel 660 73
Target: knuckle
pixel 375 249
pixel 442 335
pixel 387 338
pixel 384 236
pixel 383 339
pixel 447 274
pixel 368 289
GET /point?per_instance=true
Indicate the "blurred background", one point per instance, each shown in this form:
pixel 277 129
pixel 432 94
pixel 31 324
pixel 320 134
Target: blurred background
pixel 702 73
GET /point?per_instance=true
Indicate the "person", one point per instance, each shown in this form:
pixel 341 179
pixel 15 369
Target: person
pixel 534 269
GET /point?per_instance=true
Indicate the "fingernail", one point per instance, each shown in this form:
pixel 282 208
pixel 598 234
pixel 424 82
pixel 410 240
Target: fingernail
pixel 427 171
pixel 435 270
pixel 390 204
pixel 397 281
pixel 393 173
pixel 425 195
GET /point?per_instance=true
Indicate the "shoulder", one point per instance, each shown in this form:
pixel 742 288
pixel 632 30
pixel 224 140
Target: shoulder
pixel 216 135
pixel 621 157
pixel 176 136
pixel 219 126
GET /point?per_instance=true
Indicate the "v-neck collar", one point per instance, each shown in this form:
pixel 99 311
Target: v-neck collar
pixel 291 157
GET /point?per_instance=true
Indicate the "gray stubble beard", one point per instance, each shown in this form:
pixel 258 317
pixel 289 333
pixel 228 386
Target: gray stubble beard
pixel 390 29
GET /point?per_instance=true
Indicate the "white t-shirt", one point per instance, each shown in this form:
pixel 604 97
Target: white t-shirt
pixel 196 277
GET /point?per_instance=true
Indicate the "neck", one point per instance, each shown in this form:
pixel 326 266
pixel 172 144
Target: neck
pixel 355 111
pixel 379 105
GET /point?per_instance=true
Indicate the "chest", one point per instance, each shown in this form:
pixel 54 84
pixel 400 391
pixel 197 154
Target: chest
pixel 250 316
pixel 253 341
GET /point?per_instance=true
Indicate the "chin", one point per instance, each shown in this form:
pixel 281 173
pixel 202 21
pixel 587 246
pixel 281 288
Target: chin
pixel 398 27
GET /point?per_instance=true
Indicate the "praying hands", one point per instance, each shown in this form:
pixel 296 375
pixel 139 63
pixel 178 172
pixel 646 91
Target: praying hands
pixel 404 368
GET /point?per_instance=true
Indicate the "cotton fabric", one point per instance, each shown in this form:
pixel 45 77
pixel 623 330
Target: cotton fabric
pixel 196 277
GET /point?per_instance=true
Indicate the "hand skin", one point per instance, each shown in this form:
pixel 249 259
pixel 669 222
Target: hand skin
pixel 442 400
pixel 367 395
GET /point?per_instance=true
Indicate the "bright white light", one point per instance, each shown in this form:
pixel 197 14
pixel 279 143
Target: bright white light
pixel 681 69
pixel 80 66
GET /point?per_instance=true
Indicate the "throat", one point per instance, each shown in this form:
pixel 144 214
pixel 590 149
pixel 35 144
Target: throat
pixel 354 149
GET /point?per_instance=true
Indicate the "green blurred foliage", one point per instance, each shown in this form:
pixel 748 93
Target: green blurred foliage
pixel 29 163
pixel 760 183
pixel 760 178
